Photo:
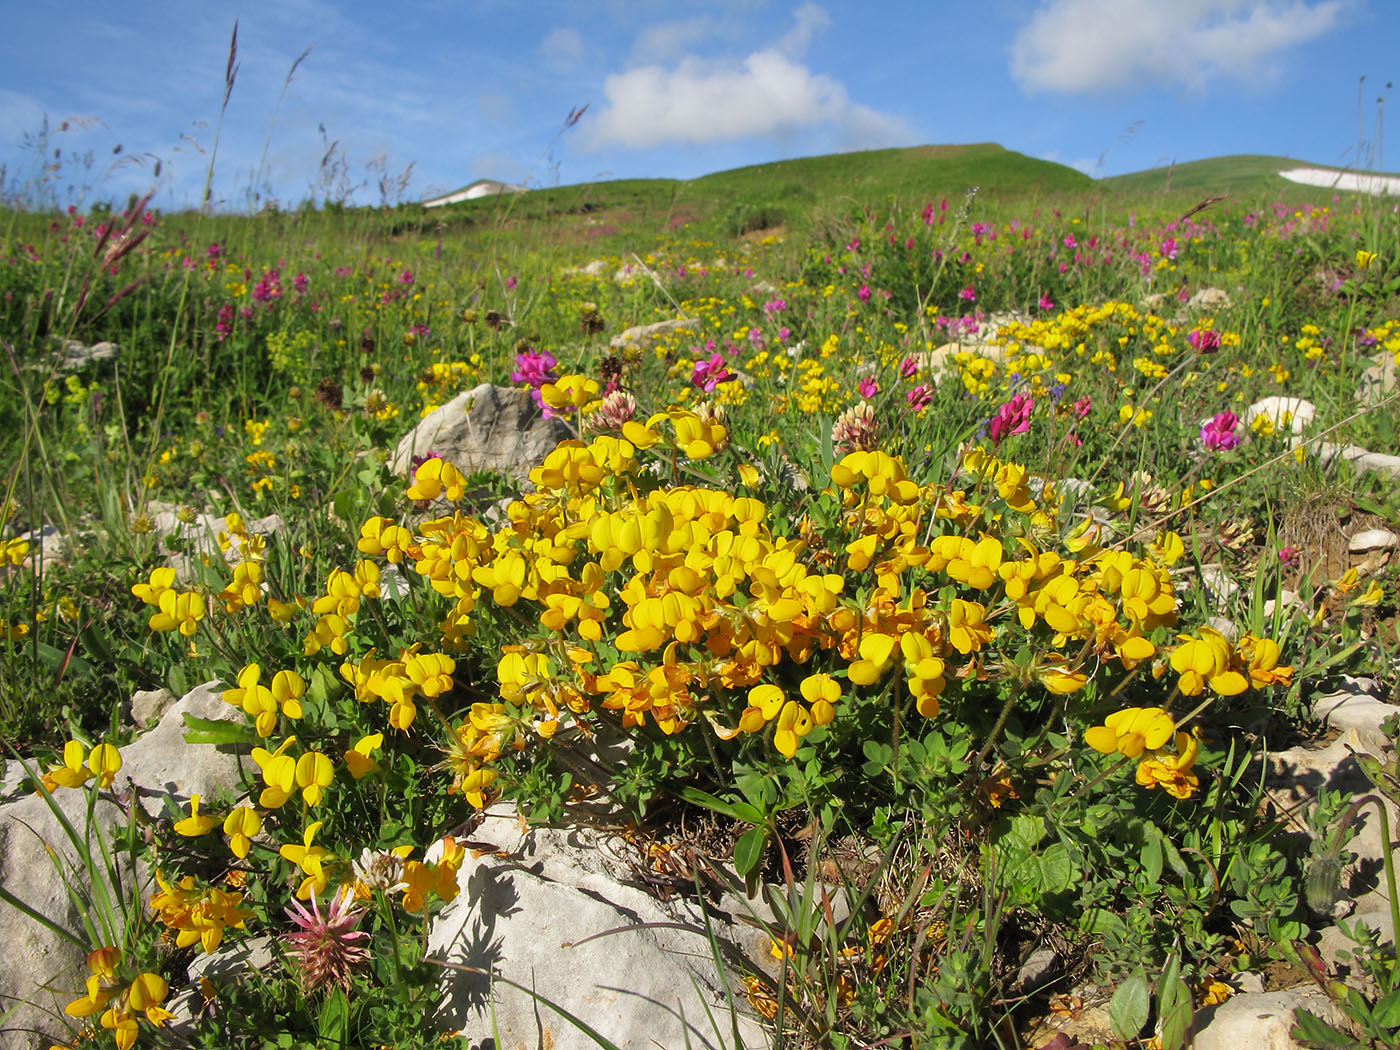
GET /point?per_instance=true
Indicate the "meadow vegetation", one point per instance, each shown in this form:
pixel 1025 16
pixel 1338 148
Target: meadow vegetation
pixel 926 620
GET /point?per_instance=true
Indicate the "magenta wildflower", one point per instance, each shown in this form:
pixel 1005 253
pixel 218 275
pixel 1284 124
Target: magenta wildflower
pixel 919 398
pixel 1014 417
pixel 326 948
pixel 511 282
pixel 869 388
pixel 863 293
pixel 1082 407
pixel 909 368
pixel 533 367
pixel 1219 433
pixel 1288 556
pixel 1206 340
pixel 1046 303
pixel 968 294
pixel 711 373
pixel 300 283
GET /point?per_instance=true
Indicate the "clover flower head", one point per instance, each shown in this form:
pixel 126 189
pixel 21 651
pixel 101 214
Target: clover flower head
pixel 327 948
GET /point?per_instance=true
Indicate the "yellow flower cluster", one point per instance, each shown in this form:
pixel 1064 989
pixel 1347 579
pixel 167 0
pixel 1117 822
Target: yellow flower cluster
pixel 197 915
pixel 680 604
pixel 119 999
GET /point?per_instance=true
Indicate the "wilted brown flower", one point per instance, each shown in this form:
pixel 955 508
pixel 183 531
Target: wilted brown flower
pixel 330 394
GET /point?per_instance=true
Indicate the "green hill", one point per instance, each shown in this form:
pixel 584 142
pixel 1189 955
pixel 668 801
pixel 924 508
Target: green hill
pixel 1244 174
pixel 789 191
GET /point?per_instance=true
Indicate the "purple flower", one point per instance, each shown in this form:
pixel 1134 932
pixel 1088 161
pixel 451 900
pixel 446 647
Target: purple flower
pixel 1014 417
pixel 1046 303
pixel 1206 340
pixel 863 294
pixel 1288 556
pixel 533 367
pixel 300 283
pixel 968 294
pixel 1219 433
pixel 909 368
pixel 711 373
pixel 919 398
pixel 869 388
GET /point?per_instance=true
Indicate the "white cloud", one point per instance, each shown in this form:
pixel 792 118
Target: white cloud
pixel 1101 45
pixel 562 49
pixel 668 41
pixel 808 20
pixel 768 94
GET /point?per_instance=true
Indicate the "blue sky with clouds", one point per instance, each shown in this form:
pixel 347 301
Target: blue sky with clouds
pixel 465 90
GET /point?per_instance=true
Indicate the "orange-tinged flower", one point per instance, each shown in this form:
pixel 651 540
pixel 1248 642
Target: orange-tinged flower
pixel 1171 772
pixel 73 773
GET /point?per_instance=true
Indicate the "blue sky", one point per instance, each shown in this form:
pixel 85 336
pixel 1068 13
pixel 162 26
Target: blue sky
pixel 482 89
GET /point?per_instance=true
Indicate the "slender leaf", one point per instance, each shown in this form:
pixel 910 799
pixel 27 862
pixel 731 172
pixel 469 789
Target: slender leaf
pixel 1127 1010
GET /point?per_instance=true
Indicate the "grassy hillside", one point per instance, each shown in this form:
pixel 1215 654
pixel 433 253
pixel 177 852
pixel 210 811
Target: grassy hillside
pixel 782 192
pixel 1237 175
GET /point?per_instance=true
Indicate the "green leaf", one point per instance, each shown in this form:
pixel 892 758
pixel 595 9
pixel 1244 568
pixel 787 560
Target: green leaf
pixel 1386 1013
pixel 323 685
pixel 1174 1010
pixel 217 731
pixel 53 659
pixel 333 1024
pixel 1311 1030
pixel 1151 858
pixel 1056 869
pixel 1127 1010
pixel 736 810
pixel 748 851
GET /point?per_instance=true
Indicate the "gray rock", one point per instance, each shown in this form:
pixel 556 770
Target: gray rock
pixel 1360 458
pixel 1218 583
pixel 486 428
pixel 1300 413
pixel 149 704
pixel 1378 380
pixel 77 355
pixel 645 336
pixel 1333 944
pixel 1260 1020
pixel 1040 967
pixel 1209 299
pixel 941 361
pixel 1288 601
pixel 1229 630
pixel 182 543
pixel 546 912
pixel 44 971
pixel 1373 540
